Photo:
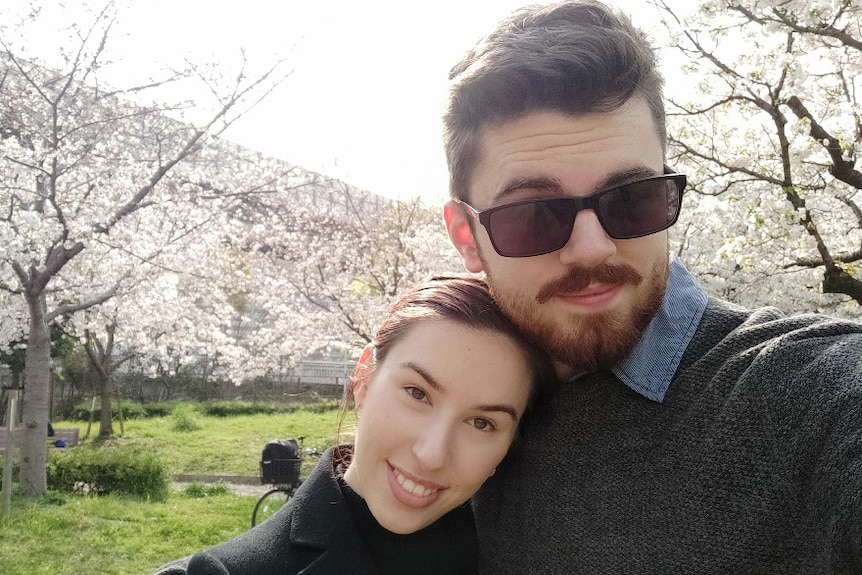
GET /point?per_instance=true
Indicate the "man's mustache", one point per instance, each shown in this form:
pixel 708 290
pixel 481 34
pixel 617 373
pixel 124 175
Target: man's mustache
pixel 578 278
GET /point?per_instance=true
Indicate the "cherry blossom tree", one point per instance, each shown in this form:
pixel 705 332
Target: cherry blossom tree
pixel 327 270
pixel 100 186
pixel 766 122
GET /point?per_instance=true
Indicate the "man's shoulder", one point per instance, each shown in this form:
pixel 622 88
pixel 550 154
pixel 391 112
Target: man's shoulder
pixel 726 322
pixel 785 357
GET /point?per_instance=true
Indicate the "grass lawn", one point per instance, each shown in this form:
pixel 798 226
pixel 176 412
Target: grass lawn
pixel 65 534
pixel 113 535
pixel 223 445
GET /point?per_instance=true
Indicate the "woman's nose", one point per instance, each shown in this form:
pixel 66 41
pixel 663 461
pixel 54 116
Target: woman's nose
pixel 432 446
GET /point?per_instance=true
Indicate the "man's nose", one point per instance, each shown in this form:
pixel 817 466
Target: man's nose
pixel 589 244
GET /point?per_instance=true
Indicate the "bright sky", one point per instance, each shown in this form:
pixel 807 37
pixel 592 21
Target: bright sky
pixel 369 78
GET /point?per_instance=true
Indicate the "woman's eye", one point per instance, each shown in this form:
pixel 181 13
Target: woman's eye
pixel 417 393
pixel 483 424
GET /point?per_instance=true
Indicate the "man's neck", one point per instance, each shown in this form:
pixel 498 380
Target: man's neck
pixel 565 371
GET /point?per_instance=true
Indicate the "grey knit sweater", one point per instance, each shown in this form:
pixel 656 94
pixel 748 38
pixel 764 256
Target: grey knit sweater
pixel 751 464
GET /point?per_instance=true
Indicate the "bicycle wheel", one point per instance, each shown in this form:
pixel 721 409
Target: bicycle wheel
pixel 269 503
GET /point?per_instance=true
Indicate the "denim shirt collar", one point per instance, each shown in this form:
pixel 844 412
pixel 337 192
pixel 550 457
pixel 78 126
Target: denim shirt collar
pixel 649 367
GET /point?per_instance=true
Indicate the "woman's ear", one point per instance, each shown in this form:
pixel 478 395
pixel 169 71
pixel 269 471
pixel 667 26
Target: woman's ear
pixel 362 375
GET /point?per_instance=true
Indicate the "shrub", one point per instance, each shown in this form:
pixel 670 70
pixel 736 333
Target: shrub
pixel 81 411
pixel 322 406
pixel 235 408
pixel 184 419
pixel 105 470
pixel 131 411
pixel 162 409
pixel 54 498
pixel 197 489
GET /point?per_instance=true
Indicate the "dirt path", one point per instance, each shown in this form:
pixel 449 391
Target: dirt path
pixel 239 485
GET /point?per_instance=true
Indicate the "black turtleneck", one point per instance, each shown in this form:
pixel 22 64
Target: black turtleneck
pixel 446 547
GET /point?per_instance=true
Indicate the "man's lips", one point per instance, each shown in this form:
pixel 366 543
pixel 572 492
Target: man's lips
pixel 592 296
pixel 589 291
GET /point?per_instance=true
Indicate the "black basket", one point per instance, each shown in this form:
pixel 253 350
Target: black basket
pixel 280 472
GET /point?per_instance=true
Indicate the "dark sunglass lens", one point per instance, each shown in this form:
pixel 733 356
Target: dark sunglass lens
pixel 531 228
pixel 640 208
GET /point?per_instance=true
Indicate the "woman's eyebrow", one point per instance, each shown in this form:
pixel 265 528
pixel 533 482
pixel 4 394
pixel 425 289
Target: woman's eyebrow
pixel 424 373
pixel 501 407
pixel 491 407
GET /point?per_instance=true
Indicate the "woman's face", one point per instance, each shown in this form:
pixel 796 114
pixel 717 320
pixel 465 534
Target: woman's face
pixel 435 419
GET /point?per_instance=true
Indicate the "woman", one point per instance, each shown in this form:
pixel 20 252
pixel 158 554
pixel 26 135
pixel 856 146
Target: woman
pixel 438 397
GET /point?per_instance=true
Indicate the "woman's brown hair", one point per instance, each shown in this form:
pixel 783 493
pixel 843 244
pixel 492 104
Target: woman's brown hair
pixel 462 299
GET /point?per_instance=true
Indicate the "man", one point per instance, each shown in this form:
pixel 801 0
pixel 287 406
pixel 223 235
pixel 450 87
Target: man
pixel 690 435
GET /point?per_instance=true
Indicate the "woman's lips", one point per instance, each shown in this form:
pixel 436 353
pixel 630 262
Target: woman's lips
pixel 411 490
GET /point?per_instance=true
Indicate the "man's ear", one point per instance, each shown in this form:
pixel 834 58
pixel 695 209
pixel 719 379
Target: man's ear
pixel 462 236
pixel 362 374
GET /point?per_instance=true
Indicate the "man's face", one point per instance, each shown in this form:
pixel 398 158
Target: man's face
pixel 588 302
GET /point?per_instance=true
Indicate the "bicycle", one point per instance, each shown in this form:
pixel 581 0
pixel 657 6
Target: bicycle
pixel 283 475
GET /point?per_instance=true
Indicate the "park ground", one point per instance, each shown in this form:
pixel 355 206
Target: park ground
pixel 67 533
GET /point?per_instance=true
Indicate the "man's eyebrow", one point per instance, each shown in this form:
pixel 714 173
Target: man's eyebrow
pixel 549 187
pixel 501 407
pixel 553 188
pixel 626 176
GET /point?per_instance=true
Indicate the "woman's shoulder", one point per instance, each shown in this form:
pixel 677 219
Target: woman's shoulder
pixel 254 552
pixel 177 567
pixel 315 520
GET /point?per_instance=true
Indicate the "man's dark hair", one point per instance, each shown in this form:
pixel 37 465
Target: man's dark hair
pixel 575 57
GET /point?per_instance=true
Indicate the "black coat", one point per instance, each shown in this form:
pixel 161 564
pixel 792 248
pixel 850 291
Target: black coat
pixel 313 534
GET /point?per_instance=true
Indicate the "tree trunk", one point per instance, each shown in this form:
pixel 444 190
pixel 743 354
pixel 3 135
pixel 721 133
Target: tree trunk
pixel 37 370
pixel 102 361
pixel 106 424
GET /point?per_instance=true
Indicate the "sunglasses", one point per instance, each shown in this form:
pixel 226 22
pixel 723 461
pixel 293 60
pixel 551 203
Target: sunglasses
pixel 536 227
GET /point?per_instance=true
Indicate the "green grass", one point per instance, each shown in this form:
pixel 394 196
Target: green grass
pixel 114 535
pixel 68 534
pixel 220 445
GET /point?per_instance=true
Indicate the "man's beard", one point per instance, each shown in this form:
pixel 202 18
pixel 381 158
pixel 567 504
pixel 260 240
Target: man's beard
pixel 586 342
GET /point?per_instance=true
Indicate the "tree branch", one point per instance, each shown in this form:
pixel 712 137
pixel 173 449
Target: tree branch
pixel 94 354
pixel 68 309
pixel 783 17
pixel 842 169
